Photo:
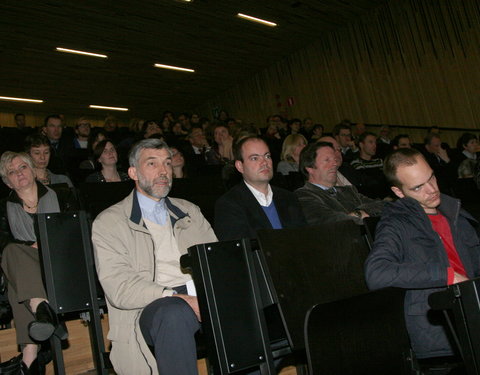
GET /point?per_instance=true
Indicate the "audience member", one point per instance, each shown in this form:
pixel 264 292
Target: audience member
pixel 467 148
pixel 383 142
pixel 111 129
pixel 439 160
pixel 343 134
pixel 34 320
pixel 178 163
pixel 369 168
pixel 12 138
pixel 196 151
pixel 138 243
pixel 38 147
pixel 316 133
pixel 321 200
pixel 222 150
pixel 184 120
pixel 423 242
pixel 150 127
pixel 307 127
pixel 105 154
pixel 345 172
pixel 358 129
pixel 254 204
pixel 53 129
pixel 274 141
pixel 294 126
pixel 82 132
pixel 367 143
pixel 401 141
pixel 20 122
pixel 290 156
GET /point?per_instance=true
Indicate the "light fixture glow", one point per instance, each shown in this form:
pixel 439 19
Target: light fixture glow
pixel 163 66
pixel 104 107
pixel 21 99
pixel 66 50
pixel 255 19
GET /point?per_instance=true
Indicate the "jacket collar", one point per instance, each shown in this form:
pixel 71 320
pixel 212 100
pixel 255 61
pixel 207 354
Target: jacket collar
pixel 41 191
pixel 449 207
pixel 136 213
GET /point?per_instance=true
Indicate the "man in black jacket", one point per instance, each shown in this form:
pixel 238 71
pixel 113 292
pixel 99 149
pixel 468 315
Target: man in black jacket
pixel 254 204
pixel 423 242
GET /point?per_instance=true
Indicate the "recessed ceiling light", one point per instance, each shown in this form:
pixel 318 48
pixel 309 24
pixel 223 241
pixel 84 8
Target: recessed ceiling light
pixel 21 99
pixel 163 66
pixel 66 50
pixel 255 19
pixel 104 107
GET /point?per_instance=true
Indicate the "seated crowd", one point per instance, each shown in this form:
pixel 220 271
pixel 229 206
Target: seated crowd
pixel 349 175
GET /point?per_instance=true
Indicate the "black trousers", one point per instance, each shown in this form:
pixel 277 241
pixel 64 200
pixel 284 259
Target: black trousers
pixel 168 325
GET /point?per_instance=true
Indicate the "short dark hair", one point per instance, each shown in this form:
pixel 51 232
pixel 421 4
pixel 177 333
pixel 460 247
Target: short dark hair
pixel 396 140
pixel 338 127
pixel 464 139
pixel 429 137
pixel 57 117
pixel 291 122
pixel 400 157
pixel 35 140
pixel 309 154
pixel 237 148
pixel 18 115
pixel 363 136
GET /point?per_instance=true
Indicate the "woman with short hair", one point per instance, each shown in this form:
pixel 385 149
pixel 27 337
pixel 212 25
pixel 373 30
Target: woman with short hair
pixel 34 319
pixel 39 149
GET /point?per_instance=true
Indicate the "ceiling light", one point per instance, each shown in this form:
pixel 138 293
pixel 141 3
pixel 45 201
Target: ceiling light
pixel 255 19
pixel 21 99
pixel 163 66
pixel 104 107
pixel 66 50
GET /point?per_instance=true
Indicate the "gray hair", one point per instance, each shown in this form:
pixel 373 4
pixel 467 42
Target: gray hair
pixel 6 160
pixel 150 143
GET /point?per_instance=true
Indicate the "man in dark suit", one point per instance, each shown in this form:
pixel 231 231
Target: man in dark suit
pixel 254 204
pixel 321 200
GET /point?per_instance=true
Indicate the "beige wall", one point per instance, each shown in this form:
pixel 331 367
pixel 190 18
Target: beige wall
pixel 408 63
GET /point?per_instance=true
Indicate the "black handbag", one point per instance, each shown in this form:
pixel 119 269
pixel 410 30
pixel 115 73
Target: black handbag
pixel 12 367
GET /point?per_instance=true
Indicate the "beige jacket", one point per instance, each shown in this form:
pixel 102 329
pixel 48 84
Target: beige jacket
pixel 124 257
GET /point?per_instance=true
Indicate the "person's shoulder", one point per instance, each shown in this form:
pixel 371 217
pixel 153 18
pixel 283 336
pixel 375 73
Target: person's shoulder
pixel 183 205
pixel 235 193
pixel 279 191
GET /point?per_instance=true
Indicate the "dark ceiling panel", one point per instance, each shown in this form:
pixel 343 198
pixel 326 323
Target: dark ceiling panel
pixel 203 35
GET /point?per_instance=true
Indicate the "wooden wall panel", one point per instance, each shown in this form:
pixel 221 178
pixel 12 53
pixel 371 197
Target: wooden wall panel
pixel 410 62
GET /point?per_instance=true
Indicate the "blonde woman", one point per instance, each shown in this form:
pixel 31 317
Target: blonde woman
pixel 290 156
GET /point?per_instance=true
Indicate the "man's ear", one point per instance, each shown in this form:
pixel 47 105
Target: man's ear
pixel 132 173
pixel 239 166
pixel 397 192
